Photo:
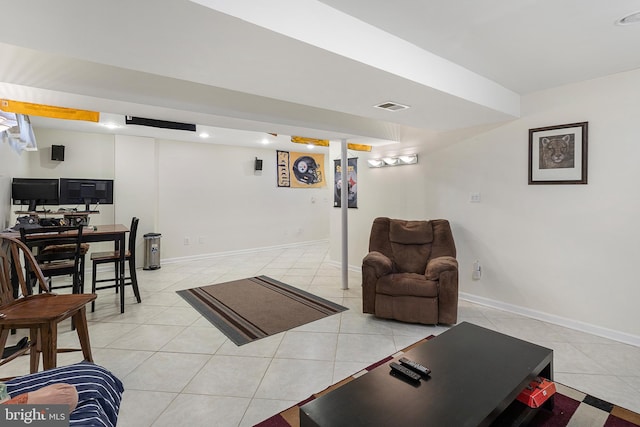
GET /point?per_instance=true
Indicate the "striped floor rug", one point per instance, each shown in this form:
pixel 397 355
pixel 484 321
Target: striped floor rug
pixel 249 309
pixel 571 407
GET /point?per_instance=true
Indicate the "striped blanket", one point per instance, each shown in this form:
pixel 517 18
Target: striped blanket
pixel 99 391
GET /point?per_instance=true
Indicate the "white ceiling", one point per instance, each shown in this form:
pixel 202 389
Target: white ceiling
pixel 305 67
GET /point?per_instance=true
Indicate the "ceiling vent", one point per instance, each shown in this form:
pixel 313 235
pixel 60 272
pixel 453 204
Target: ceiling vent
pixel 391 106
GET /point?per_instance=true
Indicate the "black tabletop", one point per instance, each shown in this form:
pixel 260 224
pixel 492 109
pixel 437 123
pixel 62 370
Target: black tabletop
pixel 476 374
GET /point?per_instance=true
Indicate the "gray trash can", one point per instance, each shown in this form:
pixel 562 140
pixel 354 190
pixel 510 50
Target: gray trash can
pixel 152 251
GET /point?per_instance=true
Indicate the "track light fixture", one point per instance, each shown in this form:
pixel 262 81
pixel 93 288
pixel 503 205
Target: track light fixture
pixel 404 159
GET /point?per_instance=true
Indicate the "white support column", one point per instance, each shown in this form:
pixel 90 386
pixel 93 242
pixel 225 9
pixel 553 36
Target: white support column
pixel 344 193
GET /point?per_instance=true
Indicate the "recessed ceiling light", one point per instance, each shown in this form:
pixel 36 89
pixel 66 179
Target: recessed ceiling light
pixel 265 141
pixel 391 106
pixel 633 18
pixel 110 125
pixel 203 135
pixel 311 146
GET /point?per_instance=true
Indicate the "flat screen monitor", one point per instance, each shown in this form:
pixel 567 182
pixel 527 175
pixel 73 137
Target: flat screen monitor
pixel 34 191
pixel 78 191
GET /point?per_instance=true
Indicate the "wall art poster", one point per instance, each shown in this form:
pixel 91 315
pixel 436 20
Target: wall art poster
pixel 352 185
pixel 558 154
pixel 306 170
pixel 282 166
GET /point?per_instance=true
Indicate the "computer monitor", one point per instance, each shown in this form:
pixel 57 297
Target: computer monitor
pixel 77 191
pixel 34 191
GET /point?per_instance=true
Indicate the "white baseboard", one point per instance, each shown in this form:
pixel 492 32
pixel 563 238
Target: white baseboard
pixel 554 319
pixel 354 268
pixel 240 252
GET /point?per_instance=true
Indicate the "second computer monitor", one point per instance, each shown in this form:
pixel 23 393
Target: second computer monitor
pixel 78 191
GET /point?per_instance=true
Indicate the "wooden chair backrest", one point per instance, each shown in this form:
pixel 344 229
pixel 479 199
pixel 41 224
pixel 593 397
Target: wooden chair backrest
pixel 6 289
pixel 15 252
pixel 133 231
pixel 55 236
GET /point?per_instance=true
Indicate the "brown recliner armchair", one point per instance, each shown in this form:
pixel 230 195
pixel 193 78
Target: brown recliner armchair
pixel 411 273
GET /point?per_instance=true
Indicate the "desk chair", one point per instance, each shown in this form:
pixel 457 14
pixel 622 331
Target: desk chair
pixel 40 313
pixel 59 253
pixel 113 257
pixel 51 250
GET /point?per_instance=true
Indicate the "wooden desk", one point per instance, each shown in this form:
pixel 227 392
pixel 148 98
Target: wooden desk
pixel 103 233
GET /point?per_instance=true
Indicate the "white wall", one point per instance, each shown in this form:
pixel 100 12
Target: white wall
pixel 206 193
pixel 135 188
pixel 563 252
pixel 210 196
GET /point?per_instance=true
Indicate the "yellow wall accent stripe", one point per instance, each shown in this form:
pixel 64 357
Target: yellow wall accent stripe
pixel 359 147
pixel 325 143
pixel 30 109
pixel 303 140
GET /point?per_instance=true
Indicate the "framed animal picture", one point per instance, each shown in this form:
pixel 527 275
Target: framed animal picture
pixel 558 154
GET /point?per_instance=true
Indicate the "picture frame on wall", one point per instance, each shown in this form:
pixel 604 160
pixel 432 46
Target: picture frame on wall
pixel 558 154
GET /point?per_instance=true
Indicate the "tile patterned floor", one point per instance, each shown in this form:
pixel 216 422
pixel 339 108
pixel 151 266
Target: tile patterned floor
pixel 180 370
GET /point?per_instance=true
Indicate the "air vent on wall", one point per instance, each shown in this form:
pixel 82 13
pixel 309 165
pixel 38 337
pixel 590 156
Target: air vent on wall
pixel 391 106
pixel 131 120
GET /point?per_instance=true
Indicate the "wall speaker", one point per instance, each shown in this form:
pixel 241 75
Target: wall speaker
pixel 258 164
pixel 57 153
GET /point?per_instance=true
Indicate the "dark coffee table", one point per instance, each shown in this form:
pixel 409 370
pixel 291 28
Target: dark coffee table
pixel 476 375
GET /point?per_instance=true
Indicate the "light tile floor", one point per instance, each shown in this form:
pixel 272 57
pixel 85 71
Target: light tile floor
pixel 180 370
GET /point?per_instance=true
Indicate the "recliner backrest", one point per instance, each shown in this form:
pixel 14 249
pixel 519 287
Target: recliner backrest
pixel 410 244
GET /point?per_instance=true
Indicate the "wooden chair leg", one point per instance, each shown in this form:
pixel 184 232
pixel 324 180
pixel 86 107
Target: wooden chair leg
pixel 82 260
pixel 121 285
pixel 134 279
pixel 49 345
pixel 4 334
pixel 82 329
pixel 93 284
pixel 36 349
pixel 116 266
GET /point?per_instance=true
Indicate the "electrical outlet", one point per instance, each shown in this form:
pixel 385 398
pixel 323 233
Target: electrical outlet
pixel 474 197
pixel 201 240
pixel 477 271
pixel 187 241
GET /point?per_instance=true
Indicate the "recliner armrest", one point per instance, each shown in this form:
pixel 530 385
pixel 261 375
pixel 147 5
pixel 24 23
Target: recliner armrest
pixel 379 262
pixel 439 265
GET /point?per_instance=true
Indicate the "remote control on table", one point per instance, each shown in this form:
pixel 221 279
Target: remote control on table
pixel 415 366
pixel 405 372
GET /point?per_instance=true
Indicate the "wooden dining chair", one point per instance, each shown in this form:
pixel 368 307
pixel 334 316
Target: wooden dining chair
pixel 60 252
pixel 113 257
pixel 39 313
